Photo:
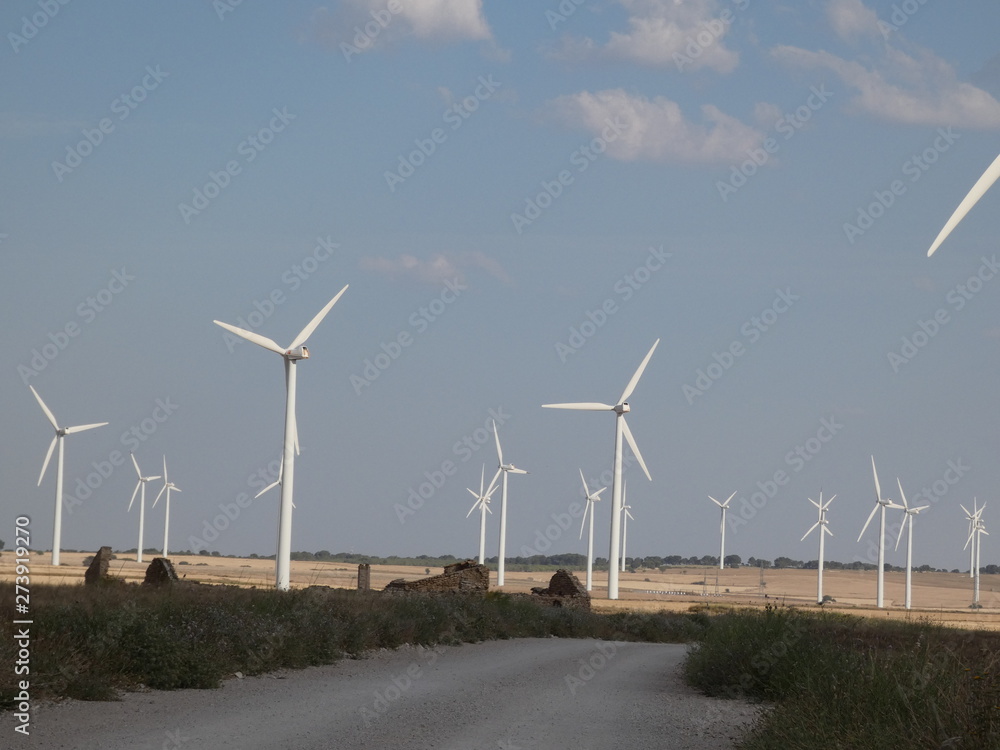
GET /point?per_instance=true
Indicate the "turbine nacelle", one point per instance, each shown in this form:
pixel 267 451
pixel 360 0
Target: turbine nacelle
pixel 623 408
pixel 299 352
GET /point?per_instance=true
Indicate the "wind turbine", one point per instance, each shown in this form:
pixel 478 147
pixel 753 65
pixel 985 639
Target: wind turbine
pixel 972 518
pixel 621 430
pixel 167 487
pixel 908 514
pixel 140 489
pixel 978 190
pixel 880 503
pixel 292 354
pixel 822 524
pixel 625 516
pixel 504 469
pixel 978 528
pixel 483 503
pixel 592 499
pixel 61 432
pixel 722 527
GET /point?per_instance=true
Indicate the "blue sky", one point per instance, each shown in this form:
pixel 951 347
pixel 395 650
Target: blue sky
pixel 528 194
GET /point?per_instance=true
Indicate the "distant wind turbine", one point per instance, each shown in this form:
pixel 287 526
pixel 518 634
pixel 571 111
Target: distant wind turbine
pixel 626 515
pixel 621 431
pixel 972 518
pixel 978 190
pixel 140 489
pixel 292 354
pixel 168 486
pixel 483 503
pixel 822 524
pixel 880 504
pixel 978 529
pixel 592 499
pixel 722 527
pixel 908 514
pixel 504 469
pixel 61 432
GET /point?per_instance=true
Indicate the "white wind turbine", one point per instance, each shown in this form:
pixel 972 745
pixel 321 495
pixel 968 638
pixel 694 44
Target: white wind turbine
pixel 880 504
pixel 978 528
pixel 168 486
pixel 504 469
pixel 592 499
pixel 972 518
pixel 140 489
pixel 61 432
pixel 978 190
pixel 292 354
pixel 822 524
pixel 908 514
pixel 626 515
pixel 722 527
pixel 621 430
pixel 483 503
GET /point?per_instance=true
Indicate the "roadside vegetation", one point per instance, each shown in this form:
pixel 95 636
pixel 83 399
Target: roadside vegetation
pixel 91 642
pixel 837 681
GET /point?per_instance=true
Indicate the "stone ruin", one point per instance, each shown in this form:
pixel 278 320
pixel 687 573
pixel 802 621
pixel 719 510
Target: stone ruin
pixel 465 576
pixel 364 577
pixel 160 573
pixel 98 570
pixel 564 590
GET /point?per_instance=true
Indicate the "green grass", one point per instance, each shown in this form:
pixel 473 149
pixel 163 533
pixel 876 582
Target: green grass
pixel 841 682
pixel 91 643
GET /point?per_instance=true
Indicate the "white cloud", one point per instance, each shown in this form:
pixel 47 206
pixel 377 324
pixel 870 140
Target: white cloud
pixel 689 35
pixel 656 129
pixel 851 19
pixel 437 269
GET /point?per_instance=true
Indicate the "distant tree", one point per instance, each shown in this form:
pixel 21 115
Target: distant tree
pixel 787 562
pixel 733 561
pixel 203 552
pixel 673 559
pixel 215 553
pixel 1 544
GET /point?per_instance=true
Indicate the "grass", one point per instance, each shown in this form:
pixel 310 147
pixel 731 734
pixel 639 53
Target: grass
pixel 90 643
pixel 839 682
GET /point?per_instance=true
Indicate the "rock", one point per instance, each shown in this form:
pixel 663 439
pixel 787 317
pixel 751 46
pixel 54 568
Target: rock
pixel 160 573
pixel 98 570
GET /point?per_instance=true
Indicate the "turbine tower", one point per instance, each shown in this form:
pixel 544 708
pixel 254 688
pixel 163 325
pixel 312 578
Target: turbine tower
pixel 822 524
pixel 592 499
pixel 504 469
pixel 483 503
pixel 908 514
pixel 292 354
pixel 167 487
pixel 621 431
pixel 140 488
pixel 978 190
pixel 722 527
pixel 626 515
pixel 978 528
pixel 61 432
pixel 880 504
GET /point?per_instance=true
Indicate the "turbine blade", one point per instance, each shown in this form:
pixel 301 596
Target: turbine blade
pixel 48 456
pixel 635 448
pixel 978 190
pixel 586 490
pixel 474 505
pixel 902 526
pixel 597 495
pixel 256 338
pixel 809 532
pixel 134 493
pixel 136 465
pixel 827 503
pixel 82 427
pixel 482 480
pixel 902 494
pixel 497 436
pixel 971 534
pixel 473 493
pixel 48 413
pixel 726 504
pixel 165 480
pixel 870 517
pixel 493 481
pixel 627 513
pixel 270 486
pixel 878 489
pixel 715 501
pixel 582 406
pixel 306 332
pixel 515 470
pixel 588 509
pixel 638 374
pixel 827 530
pixel 922 507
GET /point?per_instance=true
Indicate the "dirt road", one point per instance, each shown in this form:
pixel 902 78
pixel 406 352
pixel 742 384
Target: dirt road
pixel 549 694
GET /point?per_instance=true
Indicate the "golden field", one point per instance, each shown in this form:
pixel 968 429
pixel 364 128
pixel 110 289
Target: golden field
pixel 940 597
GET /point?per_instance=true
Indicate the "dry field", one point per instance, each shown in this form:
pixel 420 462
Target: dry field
pixel 940 597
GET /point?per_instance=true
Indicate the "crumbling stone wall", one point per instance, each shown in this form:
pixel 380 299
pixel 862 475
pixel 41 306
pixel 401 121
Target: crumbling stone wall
pixel 462 576
pixel 98 570
pixel 160 573
pixel 364 577
pixel 564 590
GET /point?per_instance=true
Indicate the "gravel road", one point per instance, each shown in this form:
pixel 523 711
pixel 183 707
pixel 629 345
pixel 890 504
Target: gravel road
pixel 544 693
